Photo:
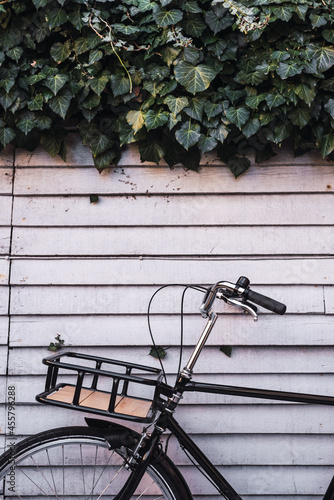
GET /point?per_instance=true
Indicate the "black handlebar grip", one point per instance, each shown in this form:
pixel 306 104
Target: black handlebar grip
pixel 266 302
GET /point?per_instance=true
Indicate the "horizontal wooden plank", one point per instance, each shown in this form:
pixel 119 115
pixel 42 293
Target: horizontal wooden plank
pixel 26 331
pixel 27 386
pixel 244 359
pixel 143 179
pixel 213 241
pixel 251 419
pixel 4 298
pixel 79 155
pixel 5 210
pixel 146 271
pixel 66 300
pixel 175 210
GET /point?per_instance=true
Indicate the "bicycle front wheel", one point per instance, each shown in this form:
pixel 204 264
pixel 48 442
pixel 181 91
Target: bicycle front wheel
pixel 79 463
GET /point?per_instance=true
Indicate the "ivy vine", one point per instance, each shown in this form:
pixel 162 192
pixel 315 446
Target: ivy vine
pixel 180 77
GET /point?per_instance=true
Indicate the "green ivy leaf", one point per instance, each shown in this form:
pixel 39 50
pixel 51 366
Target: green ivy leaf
pixel 151 151
pixel 195 109
pixel 127 134
pixel 36 103
pixel 40 3
pixel 238 166
pixel 191 159
pixel 56 17
pixel 100 143
pixel 328 35
pixel 125 29
pixel 7 98
pixel 287 70
pixel 80 46
pixel 301 11
pixel 7 134
pixel 56 82
pixel 158 352
pixel 194 78
pixel 99 84
pixel 95 55
pixel 220 133
pixel 15 53
pixel 43 122
pixel 211 109
pixel 251 127
pixel 188 135
pixel 306 93
pixel 300 116
pixel 329 107
pixel 283 12
pixel 27 123
pixel 194 27
pixel 120 84
pixel 61 51
pixel 60 103
pixel 7 83
pixel 327 144
pixel 324 57
pixel 92 101
pixel 176 104
pixel 9 37
pixel 317 20
pixel 155 119
pixel 264 154
pixel 105 159
pixel 206 143
pixel 136 119
pixel 238 116
pixel 173 120
pixel 253 101
pixel 52 141
pixel 218 23
pixel 165 17
pixel 274 100
pixel 227 350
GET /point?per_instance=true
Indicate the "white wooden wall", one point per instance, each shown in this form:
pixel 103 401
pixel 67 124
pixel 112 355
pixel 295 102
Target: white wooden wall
pixel 87 271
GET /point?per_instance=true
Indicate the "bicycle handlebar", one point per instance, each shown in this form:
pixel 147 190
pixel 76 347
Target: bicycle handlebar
pixel 242 291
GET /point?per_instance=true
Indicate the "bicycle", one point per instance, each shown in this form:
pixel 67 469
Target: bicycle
pixel 106 459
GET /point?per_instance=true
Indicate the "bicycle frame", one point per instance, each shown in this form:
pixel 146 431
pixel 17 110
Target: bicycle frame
pixel 184 384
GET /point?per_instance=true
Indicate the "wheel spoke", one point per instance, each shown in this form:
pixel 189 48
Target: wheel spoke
pixel 51 470
pixel 78 463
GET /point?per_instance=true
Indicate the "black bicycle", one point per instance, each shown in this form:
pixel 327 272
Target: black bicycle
pixel 107 460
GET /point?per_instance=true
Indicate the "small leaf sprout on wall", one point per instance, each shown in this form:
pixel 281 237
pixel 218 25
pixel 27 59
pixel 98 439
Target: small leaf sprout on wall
pixel 57 345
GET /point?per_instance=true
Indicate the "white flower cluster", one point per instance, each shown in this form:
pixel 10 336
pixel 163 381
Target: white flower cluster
pixel 175 35
pixel 246 17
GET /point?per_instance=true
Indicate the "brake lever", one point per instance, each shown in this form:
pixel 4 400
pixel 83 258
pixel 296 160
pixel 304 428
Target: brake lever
pixel 248 308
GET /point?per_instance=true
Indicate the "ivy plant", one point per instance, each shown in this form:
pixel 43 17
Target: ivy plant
pixel 179 77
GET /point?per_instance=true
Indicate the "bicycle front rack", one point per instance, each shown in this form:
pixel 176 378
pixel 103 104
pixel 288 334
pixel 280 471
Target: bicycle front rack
pixel 103 386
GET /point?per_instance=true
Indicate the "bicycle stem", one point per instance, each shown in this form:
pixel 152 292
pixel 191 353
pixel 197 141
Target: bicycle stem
pixel 188 369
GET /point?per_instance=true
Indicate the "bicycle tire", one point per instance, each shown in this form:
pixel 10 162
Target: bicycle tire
pixel 81 463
